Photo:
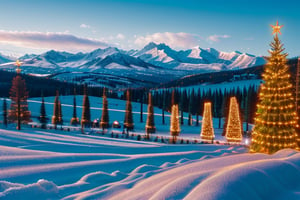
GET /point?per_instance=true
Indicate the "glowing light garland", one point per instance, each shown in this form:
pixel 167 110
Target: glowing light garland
pixel 207 130
pixel 234 126
pixel 175 126
pixel 276 117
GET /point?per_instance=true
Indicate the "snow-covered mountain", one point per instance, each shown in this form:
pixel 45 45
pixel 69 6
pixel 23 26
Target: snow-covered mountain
pixel 155 63
pixel 152 55
pixel 5 59
pixel 196 59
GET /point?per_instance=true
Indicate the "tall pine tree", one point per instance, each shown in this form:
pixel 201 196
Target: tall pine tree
pixel 74 119
pixel 43 116
pixel 19 112
pixel 128 122
pixel 150 127
pixel 55 116
pixel 60 116
pixel 275 121
pixel 86 112
pixel 104 122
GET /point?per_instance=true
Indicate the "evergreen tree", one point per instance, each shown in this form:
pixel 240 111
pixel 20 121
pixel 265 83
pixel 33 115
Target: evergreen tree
pixel 60 116
pixel 181 106
pixel 150 127
pixel 19 112
pixel 74 120
pixel 104 123
pixel 175 125
pixel 191 107
pixel 225 108
pixel 218 106
pixel 198 105
pixel 43 116
pixel 55 116
pixel 86 112
pixel 4 112
pixel 141 104
pixel 275 116
pixel 128 122
pixel 298 101
pixel 234 125
pixel 163 107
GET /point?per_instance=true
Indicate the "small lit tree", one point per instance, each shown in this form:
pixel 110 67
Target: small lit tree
pixel 150 126
pixel 234 125
pixel 128 122
pixel 104 122
pixel 175 125
pixel 207 130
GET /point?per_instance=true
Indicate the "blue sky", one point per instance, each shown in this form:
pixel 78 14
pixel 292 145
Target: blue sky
pixel 35 26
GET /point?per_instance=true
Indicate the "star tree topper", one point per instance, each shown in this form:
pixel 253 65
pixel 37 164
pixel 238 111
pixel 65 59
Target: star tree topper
pixel 276 28
pixel 18 64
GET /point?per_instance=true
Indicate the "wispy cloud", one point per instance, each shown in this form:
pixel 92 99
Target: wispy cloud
pixel 50 40
pixel 174 40
pixel 85 26
pixel 217 38
pixel 120 36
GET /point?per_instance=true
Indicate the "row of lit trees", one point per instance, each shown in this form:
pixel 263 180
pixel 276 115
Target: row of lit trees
pixel 234 127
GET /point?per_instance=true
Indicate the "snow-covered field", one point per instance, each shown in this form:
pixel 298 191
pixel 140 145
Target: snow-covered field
pixel 53 164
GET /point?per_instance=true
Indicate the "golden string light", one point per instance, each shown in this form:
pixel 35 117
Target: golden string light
pixel 207 130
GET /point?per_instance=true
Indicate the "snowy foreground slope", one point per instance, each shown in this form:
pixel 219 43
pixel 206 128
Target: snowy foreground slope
pixel 53 164
pixel 67 165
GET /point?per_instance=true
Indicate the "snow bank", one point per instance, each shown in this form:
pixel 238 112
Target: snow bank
pixel 245 176
pixel 54 164
pixel 42 189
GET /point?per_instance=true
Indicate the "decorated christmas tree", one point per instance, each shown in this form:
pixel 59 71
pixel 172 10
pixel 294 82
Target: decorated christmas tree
pixel 298 102
pixel 234 126
pixel 207 130
pixel 74 119
pixel 19 112
pixel 55 116
pixel 275 121
pixel 86 113
pixel 104 123
pixel 128 122
pixel 43 116
pixel 175 126
pixel 150 126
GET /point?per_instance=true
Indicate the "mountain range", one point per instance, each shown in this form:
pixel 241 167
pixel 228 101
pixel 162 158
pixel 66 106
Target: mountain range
pixel 155 63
